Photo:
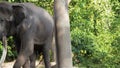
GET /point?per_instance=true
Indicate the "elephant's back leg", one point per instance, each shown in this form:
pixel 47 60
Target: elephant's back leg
pixel 32 60
pixel 46 53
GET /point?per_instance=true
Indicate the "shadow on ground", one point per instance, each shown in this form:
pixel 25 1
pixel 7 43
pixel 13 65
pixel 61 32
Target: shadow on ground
pixel 41 65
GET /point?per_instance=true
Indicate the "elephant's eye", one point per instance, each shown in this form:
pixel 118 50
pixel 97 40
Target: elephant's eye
pixel 1 20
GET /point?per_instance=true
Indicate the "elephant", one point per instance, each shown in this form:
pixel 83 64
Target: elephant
pixel 32 28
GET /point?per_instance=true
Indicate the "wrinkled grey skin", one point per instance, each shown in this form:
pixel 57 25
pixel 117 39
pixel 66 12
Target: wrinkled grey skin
pixel 32 29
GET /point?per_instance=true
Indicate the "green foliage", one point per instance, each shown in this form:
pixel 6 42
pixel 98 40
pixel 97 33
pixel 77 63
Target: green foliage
pixel 95 33
pixel 1 48
pixel 12 54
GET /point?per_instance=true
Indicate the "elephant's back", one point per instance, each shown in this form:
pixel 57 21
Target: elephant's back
pixel 38 12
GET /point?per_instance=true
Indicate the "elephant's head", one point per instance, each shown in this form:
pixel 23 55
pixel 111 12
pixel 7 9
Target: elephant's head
pixel 10 17
pixel 5 18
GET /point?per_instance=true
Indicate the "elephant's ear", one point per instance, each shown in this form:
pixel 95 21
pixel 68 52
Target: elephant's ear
pixel 19 13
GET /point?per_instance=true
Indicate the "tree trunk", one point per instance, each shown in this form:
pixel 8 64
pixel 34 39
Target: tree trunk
pixel 63 42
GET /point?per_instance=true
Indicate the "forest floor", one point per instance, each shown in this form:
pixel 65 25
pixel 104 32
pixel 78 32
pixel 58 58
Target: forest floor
pixel 10 64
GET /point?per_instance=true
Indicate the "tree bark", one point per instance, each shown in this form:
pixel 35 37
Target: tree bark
pixel 68 1
pixel 63 42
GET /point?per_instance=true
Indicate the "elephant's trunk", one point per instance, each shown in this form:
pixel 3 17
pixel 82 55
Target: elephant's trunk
pixel 4 53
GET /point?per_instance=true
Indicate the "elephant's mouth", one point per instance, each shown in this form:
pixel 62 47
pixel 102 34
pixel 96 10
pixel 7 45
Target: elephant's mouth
pixel 4 53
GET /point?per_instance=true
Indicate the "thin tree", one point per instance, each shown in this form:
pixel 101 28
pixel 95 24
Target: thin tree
pixel 63 41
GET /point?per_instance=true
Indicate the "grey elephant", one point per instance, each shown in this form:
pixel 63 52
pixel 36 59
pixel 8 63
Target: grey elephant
pixel 32 28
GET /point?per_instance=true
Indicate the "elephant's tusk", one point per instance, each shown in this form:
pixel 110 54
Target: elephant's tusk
pixel 4 53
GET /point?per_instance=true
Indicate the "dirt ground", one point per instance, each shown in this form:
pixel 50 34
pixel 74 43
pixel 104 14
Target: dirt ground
pixel 10 64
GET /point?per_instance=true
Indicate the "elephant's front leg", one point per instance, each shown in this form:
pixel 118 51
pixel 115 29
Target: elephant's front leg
pixel 27 48
pixel 27 64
